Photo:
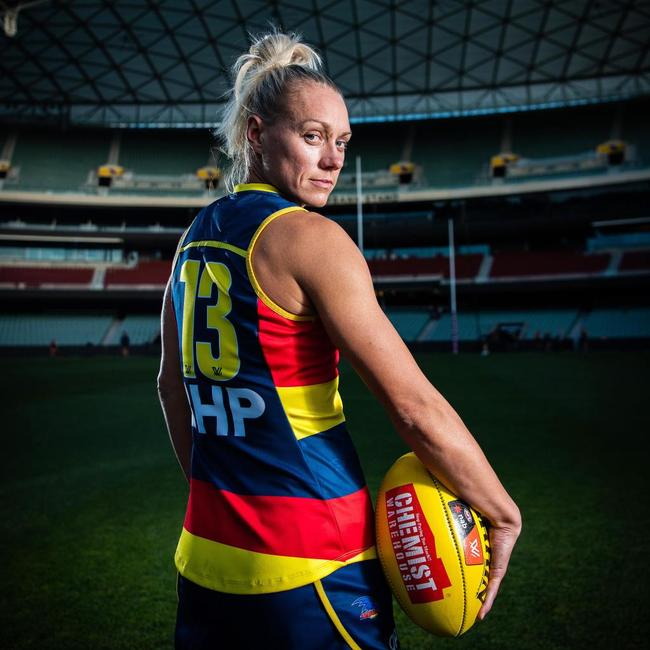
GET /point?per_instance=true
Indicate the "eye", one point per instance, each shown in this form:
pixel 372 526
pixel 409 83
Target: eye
pixel 312 137
pixel 342 144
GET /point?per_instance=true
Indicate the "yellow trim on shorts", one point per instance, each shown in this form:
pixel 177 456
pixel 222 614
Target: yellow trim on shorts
pixel 318 585
pixel 236 570
pixel 251 274
pixel 209 243
pixel 259 187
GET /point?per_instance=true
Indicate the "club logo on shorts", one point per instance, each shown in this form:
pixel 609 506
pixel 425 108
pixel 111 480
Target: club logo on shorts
pixel 368 611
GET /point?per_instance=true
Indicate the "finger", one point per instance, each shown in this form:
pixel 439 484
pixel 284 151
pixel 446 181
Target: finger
pixel 490 595
pixel 502 543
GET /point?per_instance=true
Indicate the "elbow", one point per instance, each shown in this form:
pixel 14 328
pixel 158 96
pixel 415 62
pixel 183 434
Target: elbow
pixel 417 417
pixel 167 384
pixel 162 388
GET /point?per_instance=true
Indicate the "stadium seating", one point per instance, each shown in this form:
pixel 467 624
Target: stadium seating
pixel 511 265
pixel 626 240
pixel 152 273
pixel 40 329
pixel 473 326
pixel 455 153
pixel 635 261
pixel 141 328
pixel 554 322
pixel 413 324
pixel 66 161
pixel 58 160
pixel 636 130
pixel 554 133
pixel 441 329
pixel 467 266
pixel 42 276
pixel 165 151
pixel 618 323
pixel 408 266
pixel 408 322
pixel 534 324
pixel 379 145
pixel 423 251
pixel 525 263
pixel 447 152
pixel 588 162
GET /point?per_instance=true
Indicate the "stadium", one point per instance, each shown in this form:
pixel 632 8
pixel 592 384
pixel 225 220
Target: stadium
pixel 498 185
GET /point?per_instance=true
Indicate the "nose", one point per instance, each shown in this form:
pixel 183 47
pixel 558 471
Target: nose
pixel 332 158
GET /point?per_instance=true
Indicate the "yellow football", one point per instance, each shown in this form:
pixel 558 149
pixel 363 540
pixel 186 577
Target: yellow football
pixel 433 547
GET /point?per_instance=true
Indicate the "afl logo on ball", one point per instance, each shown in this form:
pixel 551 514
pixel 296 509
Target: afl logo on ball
pixel 468 532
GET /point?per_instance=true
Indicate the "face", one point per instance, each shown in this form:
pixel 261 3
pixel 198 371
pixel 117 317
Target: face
pixel 302 152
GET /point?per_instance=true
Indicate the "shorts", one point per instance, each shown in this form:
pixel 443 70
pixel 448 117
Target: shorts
pixel 350 608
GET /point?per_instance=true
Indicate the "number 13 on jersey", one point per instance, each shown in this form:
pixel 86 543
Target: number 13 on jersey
pixel 200 284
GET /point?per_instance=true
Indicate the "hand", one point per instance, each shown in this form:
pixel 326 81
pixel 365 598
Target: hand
pixel 502 541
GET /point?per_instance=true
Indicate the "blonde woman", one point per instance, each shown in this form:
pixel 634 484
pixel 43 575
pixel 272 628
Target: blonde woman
pixel 277 547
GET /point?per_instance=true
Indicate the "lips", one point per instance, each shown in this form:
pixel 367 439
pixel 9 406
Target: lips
pixel 322 182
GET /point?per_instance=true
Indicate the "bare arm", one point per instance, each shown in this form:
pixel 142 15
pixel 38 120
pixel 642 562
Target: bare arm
pixel 325 264
pixel 171 391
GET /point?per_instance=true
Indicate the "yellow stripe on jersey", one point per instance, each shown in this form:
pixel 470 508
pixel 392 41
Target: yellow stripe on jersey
pixel 209 564
pixel 215 244
pixel 251 273
pixel 312 409
pixel 259 187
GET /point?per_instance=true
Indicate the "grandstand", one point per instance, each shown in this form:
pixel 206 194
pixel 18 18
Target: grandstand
pixel 446 154
pixel 25 330
pixel 578 257
pixel 420 274
pixel 551 220
pixel 147 274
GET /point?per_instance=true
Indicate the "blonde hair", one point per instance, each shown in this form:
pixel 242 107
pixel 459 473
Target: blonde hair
pixel 262 78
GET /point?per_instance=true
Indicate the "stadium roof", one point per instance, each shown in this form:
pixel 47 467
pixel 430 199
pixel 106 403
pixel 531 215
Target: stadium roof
pixel 147 63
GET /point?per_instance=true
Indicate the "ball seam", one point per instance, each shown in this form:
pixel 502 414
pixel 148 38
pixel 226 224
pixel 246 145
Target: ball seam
pixel 460 564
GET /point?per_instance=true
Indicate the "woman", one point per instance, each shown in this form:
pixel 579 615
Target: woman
pixel 263 293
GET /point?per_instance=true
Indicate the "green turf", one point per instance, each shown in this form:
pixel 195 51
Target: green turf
pixel 92 500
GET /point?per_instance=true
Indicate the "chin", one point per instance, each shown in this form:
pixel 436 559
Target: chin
pixel 318 203
pixel 315 199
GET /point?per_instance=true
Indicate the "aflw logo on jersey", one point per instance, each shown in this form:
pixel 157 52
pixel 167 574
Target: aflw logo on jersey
pixel 414 545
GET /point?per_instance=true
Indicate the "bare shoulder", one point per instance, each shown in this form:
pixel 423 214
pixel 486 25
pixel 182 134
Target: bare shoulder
pixel 306 237
pixel 303 226
pixel 298 255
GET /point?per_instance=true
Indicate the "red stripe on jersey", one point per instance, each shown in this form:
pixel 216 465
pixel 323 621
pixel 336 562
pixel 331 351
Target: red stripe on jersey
pixel 331 529
pixel 298 353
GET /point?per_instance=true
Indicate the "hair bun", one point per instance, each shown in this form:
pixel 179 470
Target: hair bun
pixel 280 50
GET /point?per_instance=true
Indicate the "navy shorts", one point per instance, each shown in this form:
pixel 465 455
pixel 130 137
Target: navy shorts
pixel 350 608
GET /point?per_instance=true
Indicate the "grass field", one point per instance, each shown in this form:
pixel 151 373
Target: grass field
pixel 92 500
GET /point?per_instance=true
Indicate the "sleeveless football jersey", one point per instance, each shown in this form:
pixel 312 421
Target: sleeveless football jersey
pixel 277 496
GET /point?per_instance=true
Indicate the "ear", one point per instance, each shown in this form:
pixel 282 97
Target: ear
pixel 254 130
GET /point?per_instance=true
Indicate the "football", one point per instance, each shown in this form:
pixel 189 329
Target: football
pixel 433 547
